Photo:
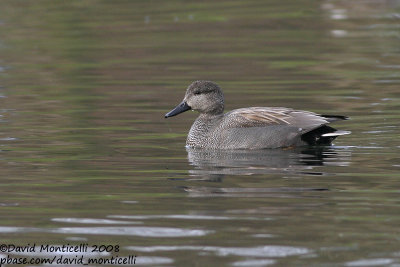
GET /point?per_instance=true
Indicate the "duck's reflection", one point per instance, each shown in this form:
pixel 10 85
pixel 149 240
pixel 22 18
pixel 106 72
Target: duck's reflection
pixel 216 163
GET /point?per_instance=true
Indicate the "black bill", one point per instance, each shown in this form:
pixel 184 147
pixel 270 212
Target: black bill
pixel 182 107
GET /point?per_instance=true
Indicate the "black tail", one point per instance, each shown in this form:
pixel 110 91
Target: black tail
pixel 324 135
pixel 316 136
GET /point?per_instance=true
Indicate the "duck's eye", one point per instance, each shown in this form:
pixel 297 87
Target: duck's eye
pixel 197 93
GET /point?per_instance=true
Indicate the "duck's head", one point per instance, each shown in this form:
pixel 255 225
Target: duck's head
pixel 203 96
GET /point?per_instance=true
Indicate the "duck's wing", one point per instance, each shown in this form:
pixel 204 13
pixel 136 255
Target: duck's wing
pixel 264 117
pixel 260 127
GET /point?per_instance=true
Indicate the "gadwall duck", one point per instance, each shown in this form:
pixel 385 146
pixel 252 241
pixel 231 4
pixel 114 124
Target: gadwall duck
pixel 253 127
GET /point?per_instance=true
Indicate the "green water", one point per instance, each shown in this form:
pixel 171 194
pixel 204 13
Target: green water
pixel 87 156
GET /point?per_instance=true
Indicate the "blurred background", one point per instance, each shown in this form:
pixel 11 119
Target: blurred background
pixel 87 156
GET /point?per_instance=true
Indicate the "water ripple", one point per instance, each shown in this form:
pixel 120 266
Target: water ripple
pixel 263 251
pixel 254 263
pixel 369 262
pixel 180 217
pixel 153 260
pixel 128 231
pixel 91 221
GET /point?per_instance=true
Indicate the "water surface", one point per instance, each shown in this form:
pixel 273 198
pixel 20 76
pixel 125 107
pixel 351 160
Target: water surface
pixel 87 157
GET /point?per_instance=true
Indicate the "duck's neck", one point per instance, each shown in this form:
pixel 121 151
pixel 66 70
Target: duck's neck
pixel 201 128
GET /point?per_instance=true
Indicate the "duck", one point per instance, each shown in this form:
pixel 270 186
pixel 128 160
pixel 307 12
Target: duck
pixel 251 127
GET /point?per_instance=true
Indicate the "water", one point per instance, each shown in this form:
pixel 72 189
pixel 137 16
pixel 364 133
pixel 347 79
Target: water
pixel 87 157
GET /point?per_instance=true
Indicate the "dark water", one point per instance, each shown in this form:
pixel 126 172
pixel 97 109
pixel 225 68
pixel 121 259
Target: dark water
pixel 87 157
